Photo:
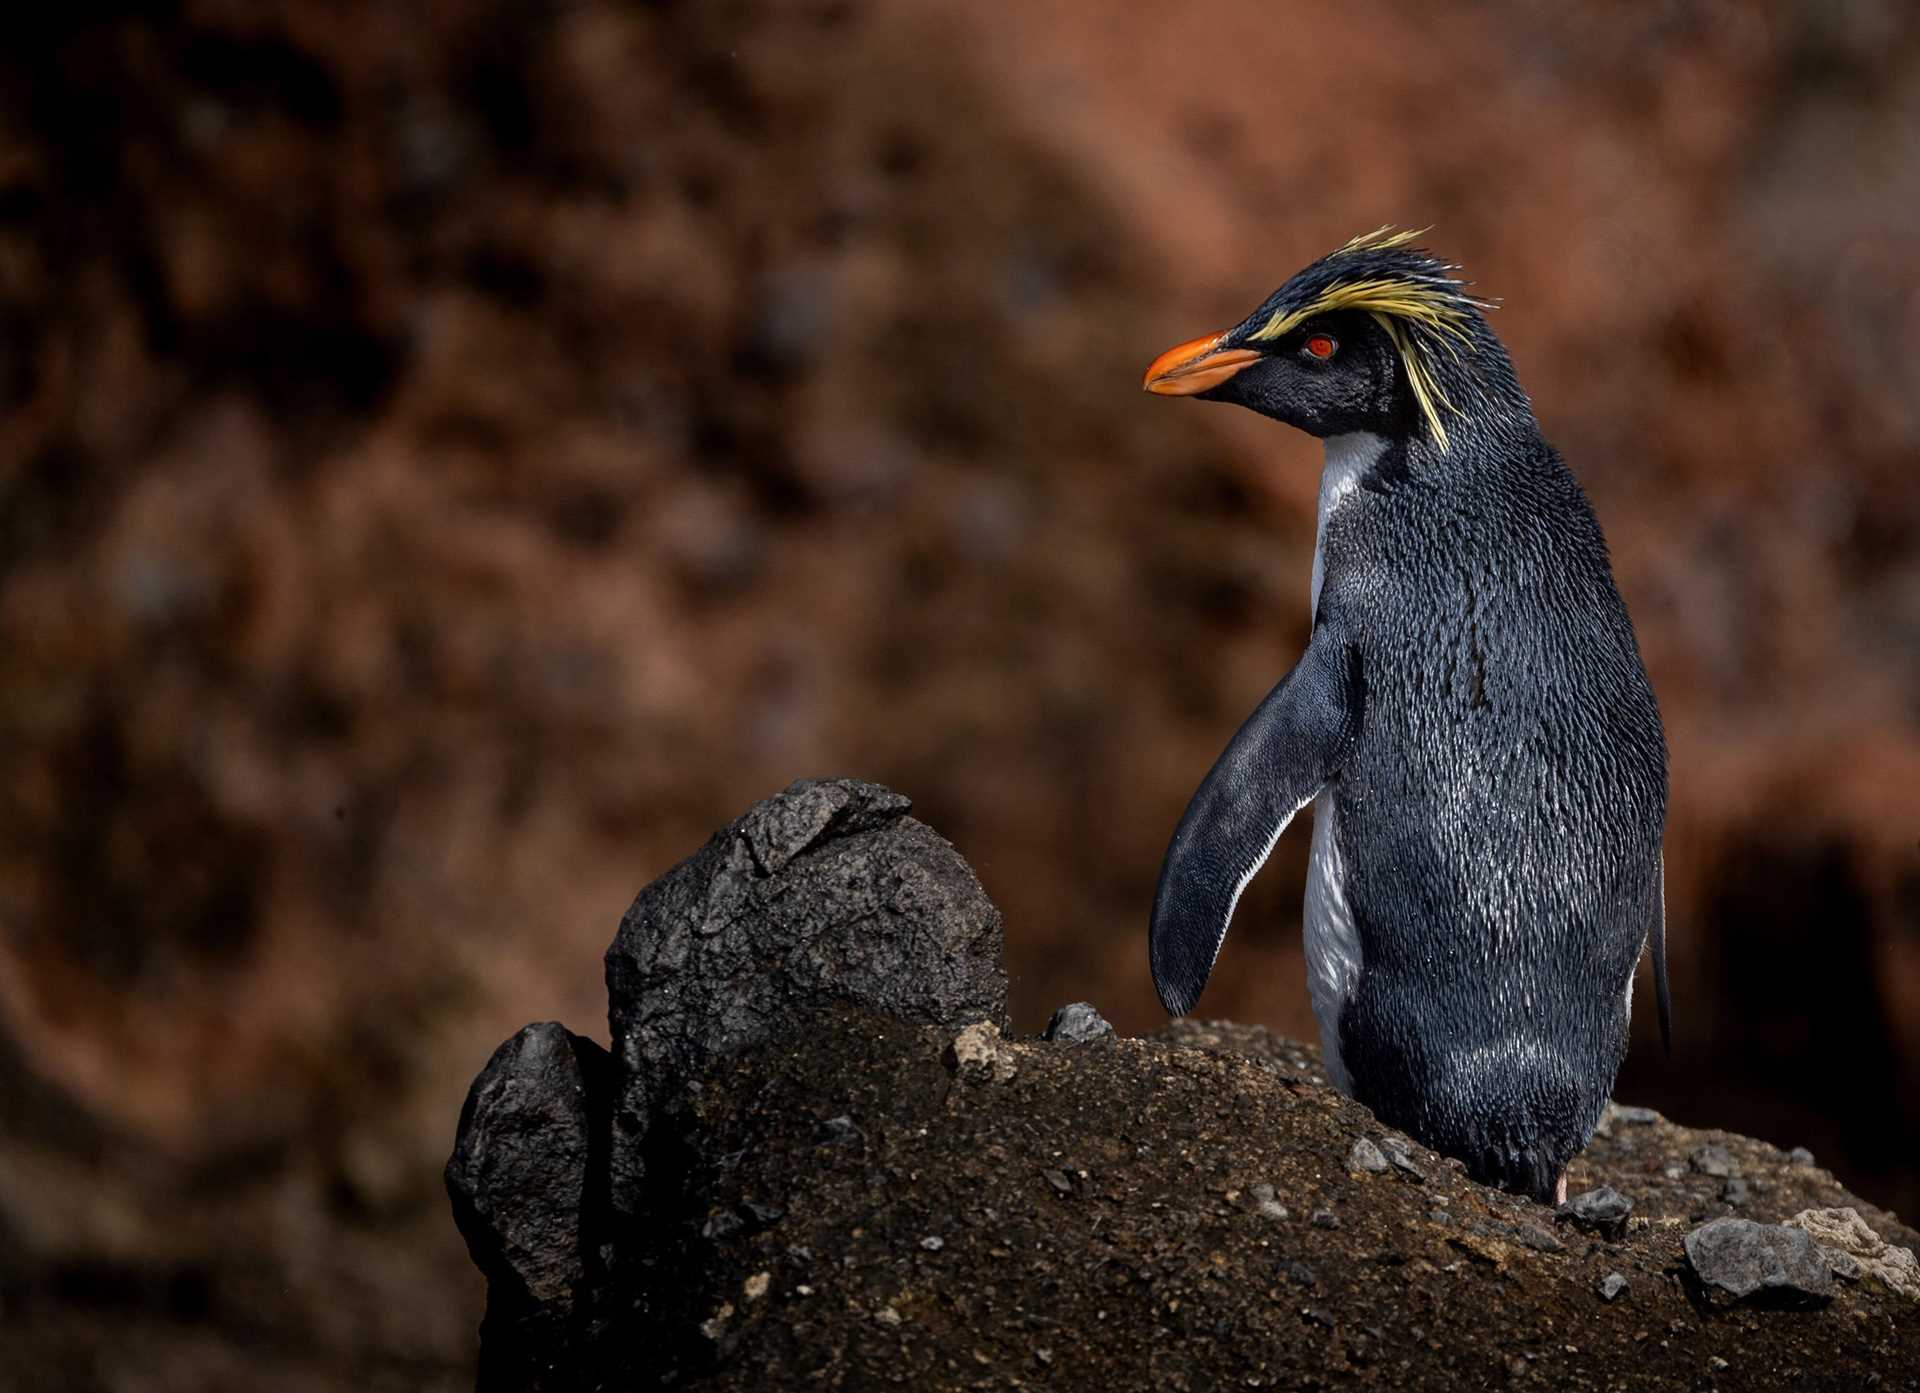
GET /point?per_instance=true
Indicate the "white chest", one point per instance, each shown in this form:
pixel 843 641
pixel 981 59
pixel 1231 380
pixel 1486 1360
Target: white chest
pixel 1349 457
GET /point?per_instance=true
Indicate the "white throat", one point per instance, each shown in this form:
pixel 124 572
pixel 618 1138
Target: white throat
pixel 1349 457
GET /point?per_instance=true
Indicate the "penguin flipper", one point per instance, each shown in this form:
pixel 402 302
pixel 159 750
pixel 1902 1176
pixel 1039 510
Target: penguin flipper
pixel 1294 742
pixel 1658 941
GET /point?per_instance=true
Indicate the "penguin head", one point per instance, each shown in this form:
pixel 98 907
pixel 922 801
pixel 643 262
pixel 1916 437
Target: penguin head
pixel 1329 375
pixel 1376 336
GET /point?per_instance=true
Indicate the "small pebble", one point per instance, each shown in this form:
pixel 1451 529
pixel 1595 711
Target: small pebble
pixel 1402 1161
pixel 765 1215
pixel 1800 1156
pixel 1061 1182
pixel 1537 1239
pixel 1077 1024
pixel 1611 1286
pixel 1602 1208
pixel 835 1131
pixel 1717 1364
pixel 1265 1204
pixel 756 1285
pixel 1367 1157
pixel 1714 1160
pixel 886 1315
pixel 1734 1192
pixel 1325 1219
pixel 979 1055
pixel 933 1243
pixel 1639 1117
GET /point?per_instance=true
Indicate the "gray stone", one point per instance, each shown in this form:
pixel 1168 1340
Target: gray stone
pixel 1325 1219
pixel 1714 1160
pixel 1264 1202
pixel 1734 1192
pixel 1737 1258
pixel 1602 1209
pixel 826 893
pixel 1402 1160
pixel 519 1168
pixel 1800 1156
pixel 1611 1286
pixel 1078 1024
pixel 1846 1267
pixel 1632 1116
pixel 1367 1157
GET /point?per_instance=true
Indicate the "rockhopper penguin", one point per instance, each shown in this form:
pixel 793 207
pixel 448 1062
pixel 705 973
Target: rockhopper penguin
pixel 1471 722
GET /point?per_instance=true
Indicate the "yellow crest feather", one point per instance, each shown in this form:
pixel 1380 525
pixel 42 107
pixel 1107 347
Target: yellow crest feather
pixel 1418 315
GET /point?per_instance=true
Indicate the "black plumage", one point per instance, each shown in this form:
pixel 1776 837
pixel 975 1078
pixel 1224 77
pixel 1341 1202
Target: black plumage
pixel 1473 713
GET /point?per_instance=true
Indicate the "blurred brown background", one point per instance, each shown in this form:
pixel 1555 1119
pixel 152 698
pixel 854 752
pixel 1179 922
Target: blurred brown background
pixel 454 456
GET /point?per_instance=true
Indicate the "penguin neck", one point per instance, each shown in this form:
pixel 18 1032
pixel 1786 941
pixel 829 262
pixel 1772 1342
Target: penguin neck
pixel 1349 459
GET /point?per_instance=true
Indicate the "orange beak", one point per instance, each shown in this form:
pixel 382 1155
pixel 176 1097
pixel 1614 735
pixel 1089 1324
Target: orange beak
pixel 1195 366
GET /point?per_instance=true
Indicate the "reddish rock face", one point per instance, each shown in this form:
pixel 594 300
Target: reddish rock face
pixel 449 465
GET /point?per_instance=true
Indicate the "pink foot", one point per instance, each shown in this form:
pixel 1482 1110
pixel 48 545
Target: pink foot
pixel 1560 1188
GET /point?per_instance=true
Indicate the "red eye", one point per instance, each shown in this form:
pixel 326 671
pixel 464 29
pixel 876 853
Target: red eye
pixel 1320 346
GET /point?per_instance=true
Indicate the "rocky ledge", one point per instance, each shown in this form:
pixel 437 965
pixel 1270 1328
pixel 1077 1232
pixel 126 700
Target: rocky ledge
pixel 815 1159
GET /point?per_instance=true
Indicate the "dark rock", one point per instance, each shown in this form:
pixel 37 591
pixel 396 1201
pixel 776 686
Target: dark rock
pixel 525 1180
pixel 1078 1024
pixel 1714 1160
pixel 825 893
pixel 1738 1258
pixel 1602 1209
pixel 764 1216
pixel 1365 1156
pixel 1734 1192
pixel 1537 1239
pixel 530 1136
pixel 704 1283
pixel 835 1131
pixel 1611 1286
